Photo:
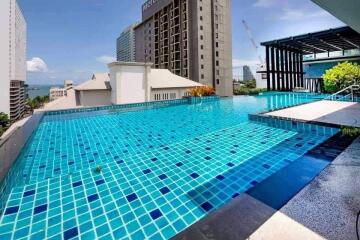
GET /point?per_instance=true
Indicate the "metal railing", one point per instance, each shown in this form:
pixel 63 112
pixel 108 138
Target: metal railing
pixel 347 94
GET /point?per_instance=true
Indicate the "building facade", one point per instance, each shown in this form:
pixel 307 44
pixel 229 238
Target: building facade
pixel 12 59
pixel 191 38
pixel 247 73
pixel 56 92
pixel 125 45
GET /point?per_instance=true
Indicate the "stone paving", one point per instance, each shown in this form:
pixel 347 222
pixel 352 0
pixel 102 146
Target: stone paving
pixel 326 208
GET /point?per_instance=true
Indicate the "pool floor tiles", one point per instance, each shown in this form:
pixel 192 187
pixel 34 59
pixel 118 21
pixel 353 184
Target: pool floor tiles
pixel 155 194
pixel 57 144
pixel 97 137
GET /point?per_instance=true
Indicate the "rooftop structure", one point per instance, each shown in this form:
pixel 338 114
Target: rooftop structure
pixel 190 38
pixel 132 83
pixel 285 57
pixel 347 11
pixel 125 45
pixel 12 59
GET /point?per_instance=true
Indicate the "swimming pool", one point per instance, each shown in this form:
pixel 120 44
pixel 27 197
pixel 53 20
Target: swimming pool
pixel 145 173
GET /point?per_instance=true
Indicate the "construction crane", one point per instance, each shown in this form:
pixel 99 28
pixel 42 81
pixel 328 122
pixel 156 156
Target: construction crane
pixel 248 30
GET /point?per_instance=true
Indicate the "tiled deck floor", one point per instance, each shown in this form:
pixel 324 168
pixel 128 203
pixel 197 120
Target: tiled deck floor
pixel 334 112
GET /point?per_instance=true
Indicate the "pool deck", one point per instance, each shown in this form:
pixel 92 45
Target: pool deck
pixel 332 112
pixel 326 208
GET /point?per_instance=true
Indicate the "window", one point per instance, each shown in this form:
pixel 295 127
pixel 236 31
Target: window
pixel 202 66
pixel 157 97
pixel 165 96
pixel 202 76
pixel 201 28
pixel 217 81
pixel 202 47
pixel 172 95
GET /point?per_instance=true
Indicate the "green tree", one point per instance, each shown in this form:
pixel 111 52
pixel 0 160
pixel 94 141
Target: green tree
pixel 4 120
pixel 37 102
pixel 250 84
pixel 341 76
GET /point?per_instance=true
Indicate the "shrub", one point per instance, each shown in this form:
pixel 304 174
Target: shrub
pixel 341 76
pixel 202 91
pixel 350 131
pixel 250 84
pixel 248 91
pixel 4 122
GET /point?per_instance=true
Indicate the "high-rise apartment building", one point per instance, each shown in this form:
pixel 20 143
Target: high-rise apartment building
pixel 125 45
pixel 191 38
pixel 247 73
pixel 12 59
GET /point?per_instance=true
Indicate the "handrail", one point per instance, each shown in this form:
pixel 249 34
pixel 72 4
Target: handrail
pixel 351 87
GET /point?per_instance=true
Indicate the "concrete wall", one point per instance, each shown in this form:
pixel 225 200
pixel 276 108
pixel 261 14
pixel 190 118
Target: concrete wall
pixel 129 83
pixel 10 148
pixel 144 41
pixel 91 98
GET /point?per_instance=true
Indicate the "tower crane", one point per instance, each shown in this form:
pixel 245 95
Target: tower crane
pixel 248 30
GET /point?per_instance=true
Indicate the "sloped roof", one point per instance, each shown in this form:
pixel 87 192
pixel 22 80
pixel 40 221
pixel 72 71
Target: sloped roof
pixel 99 81
pixel 163 78
pixel 101 76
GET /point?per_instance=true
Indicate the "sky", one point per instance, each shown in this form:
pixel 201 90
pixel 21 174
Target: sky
pixel 72 39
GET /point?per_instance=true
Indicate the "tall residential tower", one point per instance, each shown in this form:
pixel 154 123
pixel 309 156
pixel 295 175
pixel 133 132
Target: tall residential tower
pixel 191 38
pixel 12 59
pixel 125 45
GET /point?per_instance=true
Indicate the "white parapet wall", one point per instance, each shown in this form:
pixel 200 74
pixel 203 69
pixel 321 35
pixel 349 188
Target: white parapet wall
pixel 129 82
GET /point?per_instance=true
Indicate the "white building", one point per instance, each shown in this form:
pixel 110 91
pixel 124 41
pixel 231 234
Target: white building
pixel 56 92
pixel 132 83
pixel 94 92
pixel 125 45
pixel 12 59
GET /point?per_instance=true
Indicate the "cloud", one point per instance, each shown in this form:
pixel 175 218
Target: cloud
pixel 105 59
pixel 242 62
pixel 264 3
pixel 299 14
pixel 36 64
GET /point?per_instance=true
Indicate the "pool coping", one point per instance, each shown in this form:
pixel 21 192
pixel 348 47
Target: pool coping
pixel 243 215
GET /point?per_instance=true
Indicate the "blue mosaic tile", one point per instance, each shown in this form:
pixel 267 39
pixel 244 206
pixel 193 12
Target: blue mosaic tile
pixel 11 210
pixel 40 209
pixel 155 214
pixel 131 197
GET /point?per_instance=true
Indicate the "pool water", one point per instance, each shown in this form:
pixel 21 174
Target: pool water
pixel 148 173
